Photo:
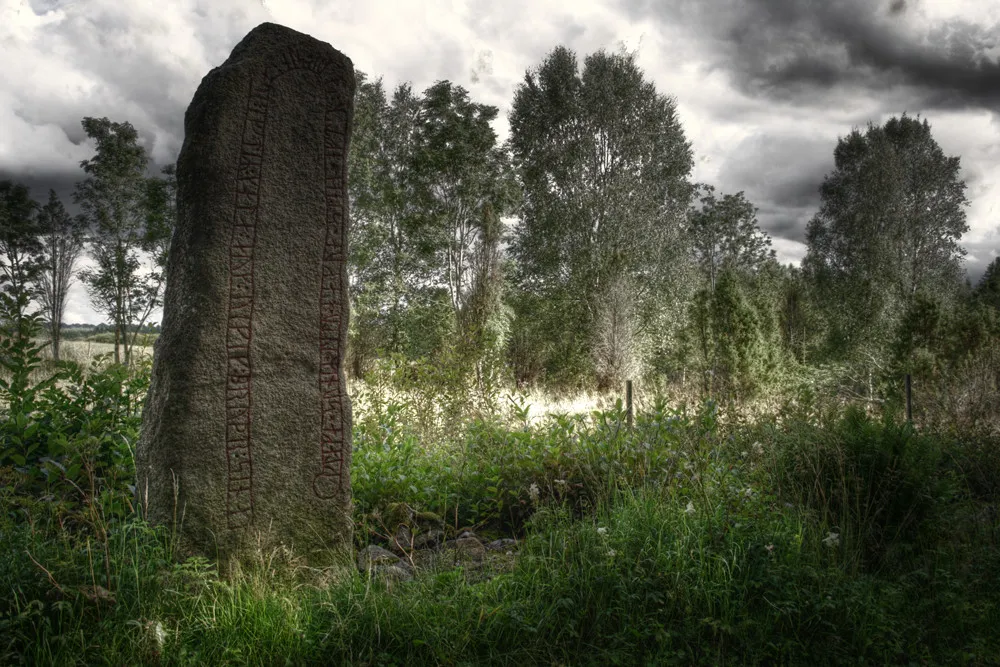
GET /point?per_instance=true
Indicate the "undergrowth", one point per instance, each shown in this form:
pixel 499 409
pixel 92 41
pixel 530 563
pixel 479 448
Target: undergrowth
pixel 814 535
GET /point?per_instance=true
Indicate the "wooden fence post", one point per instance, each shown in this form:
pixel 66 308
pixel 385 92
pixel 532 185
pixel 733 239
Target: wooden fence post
pixel 628 402
pixel 909 400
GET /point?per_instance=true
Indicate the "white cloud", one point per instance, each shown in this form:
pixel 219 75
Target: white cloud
pixel 141 61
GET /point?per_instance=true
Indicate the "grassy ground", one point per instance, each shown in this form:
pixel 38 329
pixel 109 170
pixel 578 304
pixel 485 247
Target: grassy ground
pixel 810 536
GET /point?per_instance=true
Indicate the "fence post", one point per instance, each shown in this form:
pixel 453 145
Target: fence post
pixel 628 402
pixel 909 400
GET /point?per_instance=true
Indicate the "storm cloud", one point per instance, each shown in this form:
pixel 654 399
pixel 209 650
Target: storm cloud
pixel 764 88
pixel 793 49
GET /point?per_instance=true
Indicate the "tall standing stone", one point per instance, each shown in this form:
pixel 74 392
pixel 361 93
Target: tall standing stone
pixel 245 441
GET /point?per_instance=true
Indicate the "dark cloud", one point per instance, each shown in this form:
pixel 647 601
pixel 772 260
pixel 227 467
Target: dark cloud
pixel 797 49
pixel 781 222
pixel 63 181
pixel 40 182
pixel 897 7
pixel 980 254
pixel 780 174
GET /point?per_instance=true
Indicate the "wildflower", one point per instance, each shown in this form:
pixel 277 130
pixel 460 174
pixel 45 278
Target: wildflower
pixel 690 508
pixel 758 448
pixel 602 530
pixel 748 492
pixel 533 492
pixel 612 553
pixel 832 539
pixel 770 548
pixel 561 482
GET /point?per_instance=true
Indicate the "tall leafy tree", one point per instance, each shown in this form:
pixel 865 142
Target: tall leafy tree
pixel 603 163
pixel 724 234
pixel 735 328
pixel 20 249
pixel 62 238
pixel 119 203
pixel 423 171
pixel 384 262
pixel 802 322
pixel 460 171
pixel 891 216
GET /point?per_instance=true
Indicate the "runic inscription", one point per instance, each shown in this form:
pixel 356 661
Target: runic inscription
pixel 239 330
pixel 329 481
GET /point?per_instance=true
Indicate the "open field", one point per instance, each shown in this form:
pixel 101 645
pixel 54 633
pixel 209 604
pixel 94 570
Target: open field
pixel 84 351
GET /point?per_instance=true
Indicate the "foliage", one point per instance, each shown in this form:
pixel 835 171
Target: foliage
pixel 385 262
pixel 888 227
pixel 603 164
pixel 128 214
pixel 69 435
pixel 459 170
pixel 20 249
pixel 682 541
pixel 951 350
pixel 737 336
pixel 63 238
pixel 725 235
pixel 988 288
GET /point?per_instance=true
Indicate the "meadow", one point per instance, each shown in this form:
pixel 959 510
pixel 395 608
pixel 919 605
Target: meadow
pixel 808 532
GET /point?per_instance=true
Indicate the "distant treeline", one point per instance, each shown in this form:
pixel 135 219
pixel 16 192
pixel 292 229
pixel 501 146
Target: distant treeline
pixel 580 253
pixel 102 332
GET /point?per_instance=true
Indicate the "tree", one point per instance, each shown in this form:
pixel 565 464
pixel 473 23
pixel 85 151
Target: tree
pixel 62 237
pixel 483 317
pixel 20 249
pixel 603 164
pixel 802 324
pixel 384 263
pixel 459 171
pixel 724 234
pixel 737 330
pixel 424 169
pixel 120 206
pixel 888 227
pixel 988 288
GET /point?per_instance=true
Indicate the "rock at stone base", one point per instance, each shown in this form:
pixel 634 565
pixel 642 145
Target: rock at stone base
pixel 428 540
pixel 374 556
pixel 504 544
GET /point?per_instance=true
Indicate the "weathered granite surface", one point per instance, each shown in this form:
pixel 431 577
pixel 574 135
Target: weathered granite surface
pixel 245 442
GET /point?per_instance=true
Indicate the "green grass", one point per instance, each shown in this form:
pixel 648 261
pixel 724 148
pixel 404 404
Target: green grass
pixel 832 538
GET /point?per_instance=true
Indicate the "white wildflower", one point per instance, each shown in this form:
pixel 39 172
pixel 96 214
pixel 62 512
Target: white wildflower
pixel 748 492
pixel 612 553
pixel 770 548
pixel 758 448
pixel 832 539
pixel 533 492
pixel 160 634
pixel 561 482
pixel 602 530
pixel 690 508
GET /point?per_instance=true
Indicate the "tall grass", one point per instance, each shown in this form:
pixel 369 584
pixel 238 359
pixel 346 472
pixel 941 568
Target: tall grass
pixel 813 536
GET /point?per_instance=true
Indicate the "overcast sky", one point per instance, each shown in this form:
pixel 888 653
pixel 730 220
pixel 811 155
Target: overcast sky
pixel 764 88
